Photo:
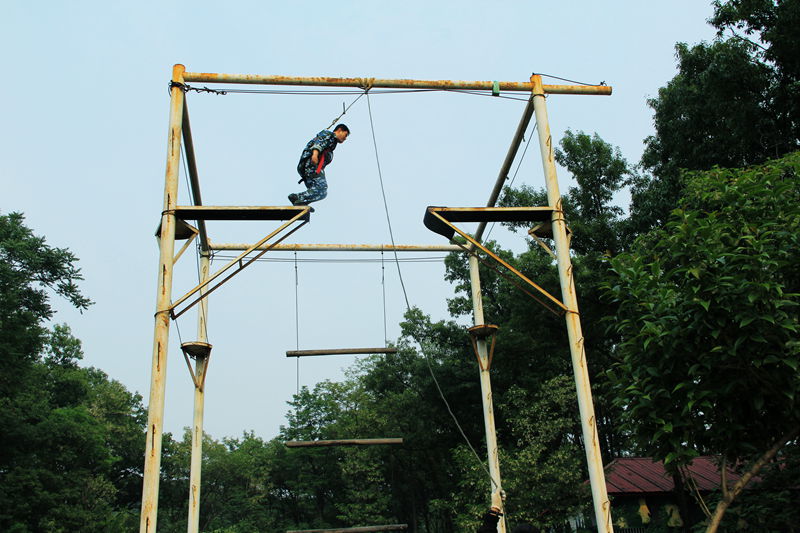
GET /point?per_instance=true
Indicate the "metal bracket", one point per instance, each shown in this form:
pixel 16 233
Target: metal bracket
pixel 475 244
pixel 302 216
pixel 183 231
pixel 480 333
pixel 201 353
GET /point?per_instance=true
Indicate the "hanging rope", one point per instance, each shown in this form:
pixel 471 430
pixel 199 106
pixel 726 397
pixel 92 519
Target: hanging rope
pixel 344 109
pixel 408 307
pixel 296 322
pixel 383 289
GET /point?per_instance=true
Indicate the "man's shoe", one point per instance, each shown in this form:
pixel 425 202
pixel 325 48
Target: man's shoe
pixel 293 198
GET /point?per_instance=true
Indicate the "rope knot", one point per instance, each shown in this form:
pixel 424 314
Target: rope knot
pixel 366 83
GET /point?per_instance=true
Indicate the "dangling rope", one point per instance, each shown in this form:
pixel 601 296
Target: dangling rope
pixel 383 289
pixel 408 306
pixel 345 109
pixel 296 322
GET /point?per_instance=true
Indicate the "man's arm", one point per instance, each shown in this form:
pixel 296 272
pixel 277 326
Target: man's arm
pixel 315 156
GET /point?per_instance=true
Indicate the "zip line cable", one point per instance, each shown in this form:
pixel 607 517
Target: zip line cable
pixel 408 307
pixel 360 92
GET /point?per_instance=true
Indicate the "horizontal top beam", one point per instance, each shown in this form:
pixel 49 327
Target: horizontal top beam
pixel 368 83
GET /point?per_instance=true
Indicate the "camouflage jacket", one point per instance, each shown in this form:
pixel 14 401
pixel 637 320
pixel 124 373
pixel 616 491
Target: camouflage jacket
pixel 325 142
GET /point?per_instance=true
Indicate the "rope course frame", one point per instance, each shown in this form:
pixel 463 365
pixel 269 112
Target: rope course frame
pixel 179 130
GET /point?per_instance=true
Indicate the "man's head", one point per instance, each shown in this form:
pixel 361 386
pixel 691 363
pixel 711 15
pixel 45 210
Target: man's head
pixel 341 132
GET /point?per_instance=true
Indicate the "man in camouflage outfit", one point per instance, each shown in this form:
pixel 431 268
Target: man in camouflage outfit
pixel 317 154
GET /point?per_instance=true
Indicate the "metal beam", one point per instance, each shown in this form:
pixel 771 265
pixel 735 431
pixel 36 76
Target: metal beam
pixel 342 247
pixel 194 180
pixel 484 363
pixel 158 372
pixel 509 160
pixel 339 351
pixel 205 286
pixel 591 441
pixel 437 212
pixel 369 83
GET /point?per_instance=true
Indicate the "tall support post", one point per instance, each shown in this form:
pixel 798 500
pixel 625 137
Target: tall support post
pixel 602 506
pixel 486 393
pixel 201 367
pixel 158 376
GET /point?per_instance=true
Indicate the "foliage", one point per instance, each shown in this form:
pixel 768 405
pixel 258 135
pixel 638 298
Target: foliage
pixel 734 102
pixel 708 314
pixel 72 439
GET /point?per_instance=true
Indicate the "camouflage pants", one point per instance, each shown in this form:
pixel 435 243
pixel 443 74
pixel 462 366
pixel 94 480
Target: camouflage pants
pixel 316 184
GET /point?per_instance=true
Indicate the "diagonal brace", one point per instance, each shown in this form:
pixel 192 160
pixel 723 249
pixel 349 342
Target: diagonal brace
pixel 242 264
pixel 520 275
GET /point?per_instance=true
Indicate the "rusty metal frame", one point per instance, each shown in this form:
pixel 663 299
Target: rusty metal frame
pixel 563 309
pixel 179 129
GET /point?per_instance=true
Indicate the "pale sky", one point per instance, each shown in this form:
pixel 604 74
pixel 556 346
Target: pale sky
pixel 83 151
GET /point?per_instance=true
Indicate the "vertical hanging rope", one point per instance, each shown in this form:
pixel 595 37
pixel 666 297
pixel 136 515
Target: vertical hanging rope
pixel 408 307
pixel 383 288
pixel 385 204
pixel 296 322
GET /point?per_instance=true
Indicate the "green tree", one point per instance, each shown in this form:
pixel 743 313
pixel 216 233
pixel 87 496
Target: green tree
pixel 708 315
pixel 733 103
pixel 771 28
pixel 67 458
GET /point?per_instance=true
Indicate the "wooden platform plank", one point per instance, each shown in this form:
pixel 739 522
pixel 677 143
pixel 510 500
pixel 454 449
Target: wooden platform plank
pixel 340 442
pixel 365 529
pixel 339 351
pixel 217 212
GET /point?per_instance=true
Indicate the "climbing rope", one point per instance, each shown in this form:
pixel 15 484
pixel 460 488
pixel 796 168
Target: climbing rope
pixel 296 321
pixel 408 307
pixel 344 109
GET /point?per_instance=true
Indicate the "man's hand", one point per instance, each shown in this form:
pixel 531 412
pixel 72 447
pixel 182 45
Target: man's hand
pixel 315 157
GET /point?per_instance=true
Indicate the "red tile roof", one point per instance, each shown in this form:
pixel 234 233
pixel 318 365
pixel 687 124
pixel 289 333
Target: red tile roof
pixel 627 475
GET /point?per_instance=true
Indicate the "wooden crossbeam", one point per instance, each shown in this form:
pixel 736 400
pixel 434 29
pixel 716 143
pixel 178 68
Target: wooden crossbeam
pixel 365 529
pixel 339 351
pixel 340 442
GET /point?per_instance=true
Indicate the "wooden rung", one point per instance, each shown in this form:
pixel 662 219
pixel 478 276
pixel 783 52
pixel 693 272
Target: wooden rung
pixel 340 351
pixel 365 529
pixel 340 442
